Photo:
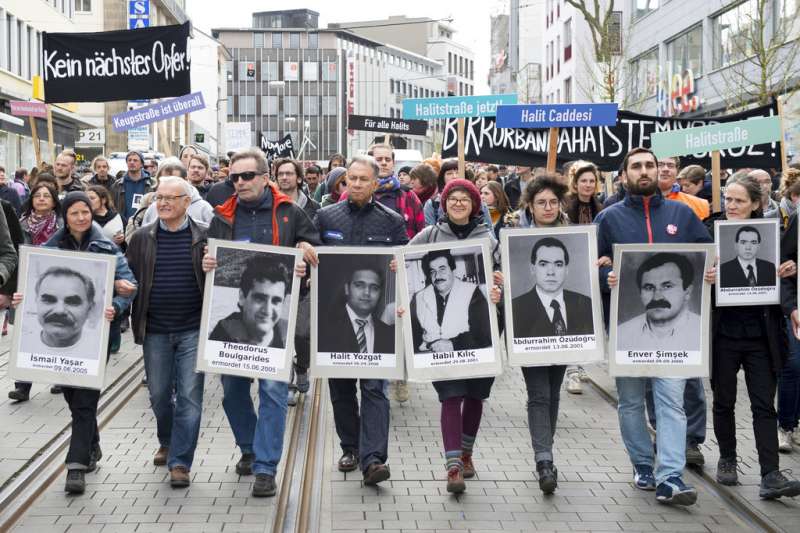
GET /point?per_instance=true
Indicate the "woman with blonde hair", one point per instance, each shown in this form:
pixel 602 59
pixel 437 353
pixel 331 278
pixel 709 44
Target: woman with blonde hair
pixel 582 204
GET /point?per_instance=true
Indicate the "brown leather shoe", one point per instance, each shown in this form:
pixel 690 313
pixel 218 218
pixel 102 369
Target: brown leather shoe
pixel 455 480
pixel 469 468
pixel 348 462
pixel 179 477
pixel 160 458
pixel 376 472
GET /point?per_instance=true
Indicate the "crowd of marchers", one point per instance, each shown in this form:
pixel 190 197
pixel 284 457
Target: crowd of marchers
pixel 156 219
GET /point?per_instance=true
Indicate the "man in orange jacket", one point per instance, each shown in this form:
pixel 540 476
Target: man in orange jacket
pixel 668 169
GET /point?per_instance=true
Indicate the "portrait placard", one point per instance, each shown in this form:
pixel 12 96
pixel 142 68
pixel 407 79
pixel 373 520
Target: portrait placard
pixel 551 280
pixel 450 325
pixel 354 328
pixel 249 311
pixel 660 310
pixel 61 335
pixel 749 255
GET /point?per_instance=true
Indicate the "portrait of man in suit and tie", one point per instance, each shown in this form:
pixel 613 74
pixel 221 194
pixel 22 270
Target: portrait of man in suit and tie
pixel 353 322
pixel 548 309
pixel 747 269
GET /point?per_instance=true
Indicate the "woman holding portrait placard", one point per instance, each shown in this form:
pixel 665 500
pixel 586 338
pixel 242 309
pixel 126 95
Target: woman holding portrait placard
pixel 752 338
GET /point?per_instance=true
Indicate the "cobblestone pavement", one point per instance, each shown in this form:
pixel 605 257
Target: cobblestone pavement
pixel 128 493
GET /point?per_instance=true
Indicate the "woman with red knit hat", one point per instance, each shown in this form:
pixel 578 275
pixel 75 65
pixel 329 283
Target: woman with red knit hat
pixel 462 399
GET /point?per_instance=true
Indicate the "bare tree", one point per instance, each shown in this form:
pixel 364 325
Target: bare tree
pixel 761 47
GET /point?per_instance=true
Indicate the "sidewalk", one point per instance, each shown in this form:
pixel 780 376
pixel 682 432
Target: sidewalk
pixel 594 491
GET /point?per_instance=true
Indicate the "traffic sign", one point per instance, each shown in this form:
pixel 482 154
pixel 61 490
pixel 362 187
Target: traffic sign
pixel 138 14
pixel 91 137
pixel 455 106
pixel 556 115
pixel 717 137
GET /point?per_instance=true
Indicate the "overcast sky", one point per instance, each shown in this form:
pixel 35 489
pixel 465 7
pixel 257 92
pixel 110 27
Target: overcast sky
pixel 472 28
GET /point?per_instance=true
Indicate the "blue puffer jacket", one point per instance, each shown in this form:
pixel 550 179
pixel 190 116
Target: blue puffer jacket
pixel 96 242
pixel 645 220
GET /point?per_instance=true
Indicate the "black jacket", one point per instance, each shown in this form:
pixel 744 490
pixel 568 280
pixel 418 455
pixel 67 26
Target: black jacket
pixel 8 260
pixel 219 193
pixel 531 320
pixel 337 335
pixel 345 224
pixel 732 275
pixel 141 255
pixel 8 194
pixel 513 189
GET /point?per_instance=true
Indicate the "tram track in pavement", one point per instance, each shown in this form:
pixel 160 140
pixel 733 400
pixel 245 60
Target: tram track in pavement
pixel 736 504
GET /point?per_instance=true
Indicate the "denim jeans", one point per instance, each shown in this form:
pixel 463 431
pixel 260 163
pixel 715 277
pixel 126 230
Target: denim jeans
pixel 789 385
pixel 543 384
pixel 671 434
pixel 262 434
pixel 169 360
pixel 694 404
pixel 367 434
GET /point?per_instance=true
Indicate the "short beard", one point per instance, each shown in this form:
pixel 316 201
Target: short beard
pixel 633 188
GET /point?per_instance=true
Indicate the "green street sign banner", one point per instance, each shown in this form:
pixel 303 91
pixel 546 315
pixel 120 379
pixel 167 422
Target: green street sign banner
pixel 717 137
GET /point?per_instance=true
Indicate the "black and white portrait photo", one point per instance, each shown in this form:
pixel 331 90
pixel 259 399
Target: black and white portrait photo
pixel 248 310
pixel 660 310
pixel 451 322
pixel 354 293
pixel 551 280
pixel 62 331
pixel 749 255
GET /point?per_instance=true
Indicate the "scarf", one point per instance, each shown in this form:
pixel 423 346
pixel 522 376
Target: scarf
pixel 425 193
pixel 42 228
pixel 104 219
pixel 463 231
pixel 494 213
pixel 388 184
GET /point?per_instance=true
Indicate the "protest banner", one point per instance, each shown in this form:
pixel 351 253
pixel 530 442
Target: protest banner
pixel 249 311
pixel 277 149
pixel 385 124
pixel 142 116
pixel 237 136
pixel 116 65
pixel 457 107
pixel 32 110
pixel 605 146
pixel 355 332
pixel 62 334
pixel 553 117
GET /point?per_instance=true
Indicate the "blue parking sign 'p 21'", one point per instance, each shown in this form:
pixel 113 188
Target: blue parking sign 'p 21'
pixel 535 116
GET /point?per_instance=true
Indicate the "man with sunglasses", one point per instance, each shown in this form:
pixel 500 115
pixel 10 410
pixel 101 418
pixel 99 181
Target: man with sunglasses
pixel 259 213
pixel 361 221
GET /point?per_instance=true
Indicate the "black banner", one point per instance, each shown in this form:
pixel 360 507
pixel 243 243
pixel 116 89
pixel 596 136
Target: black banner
pixel 277 149
pixel 397 126
pixel 604 146
pixel 116 65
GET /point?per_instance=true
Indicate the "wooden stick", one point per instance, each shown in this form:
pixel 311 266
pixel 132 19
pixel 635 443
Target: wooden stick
pixel 461 163
pixel 715 182
pixel 52 145
pixel 37 149
pixel 552 150
pixel 387 139
pixel 784 162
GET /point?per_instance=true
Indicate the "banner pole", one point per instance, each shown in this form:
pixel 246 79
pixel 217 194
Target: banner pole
pixel 52 146
pixel 461 163
pixel 784 163
pixel 37 149
pixel 387 139
pixel 715 182
pixel 552 150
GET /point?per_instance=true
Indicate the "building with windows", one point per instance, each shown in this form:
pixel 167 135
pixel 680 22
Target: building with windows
pixel 286 76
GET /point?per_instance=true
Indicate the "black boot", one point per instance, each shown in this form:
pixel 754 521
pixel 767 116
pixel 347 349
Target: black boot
pixel 548 476
pixel 76 484
pixel 775 485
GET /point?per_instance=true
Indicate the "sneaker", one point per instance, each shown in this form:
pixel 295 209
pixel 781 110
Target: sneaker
pixel 726 471
pixel 245 465
pixel 56 389
pixel 375 473
pixel 348 462
pixel 76 483
pixel 95 456
pixel 160 458
pixel 455 480
pixel 469 467
pixel 643 478
pixel 775 485
pixel 675 492
pixel 574 385
pixel 694 457
pixel 302 382
pixel 264 486
pixel 784 439
pixel 548 476
pixel 179 477
pixel 291 399
pixel 401 391
pixel 19 395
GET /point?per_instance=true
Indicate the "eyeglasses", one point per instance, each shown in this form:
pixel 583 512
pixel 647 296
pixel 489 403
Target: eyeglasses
pixel 246 176
pixel 544 204
pixel 168 199
pixel 459 201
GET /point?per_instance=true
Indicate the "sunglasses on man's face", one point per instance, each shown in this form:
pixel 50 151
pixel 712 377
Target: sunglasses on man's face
pixel 246 176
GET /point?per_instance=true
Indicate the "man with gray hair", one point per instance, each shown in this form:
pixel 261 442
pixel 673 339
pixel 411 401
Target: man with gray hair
pixel 199 210
pixel 770 207
pixel 166 258
pixel 361 221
